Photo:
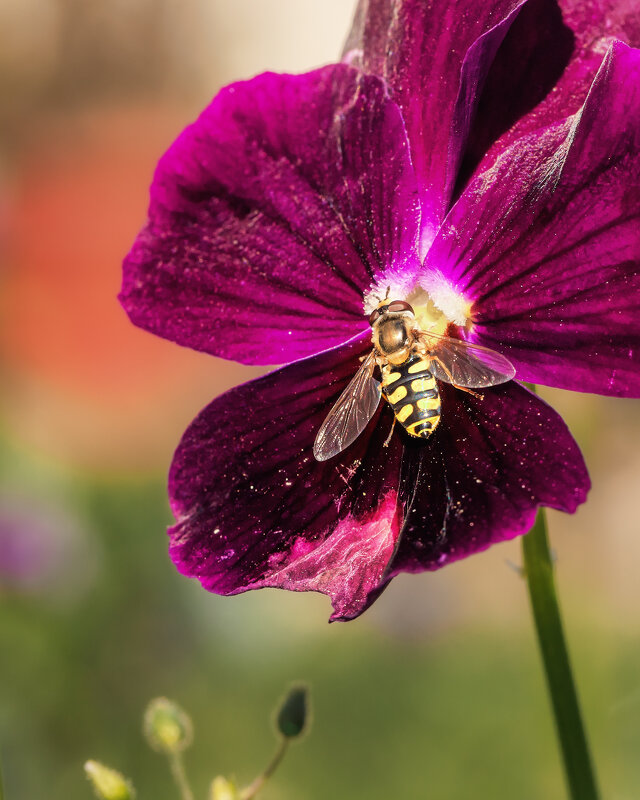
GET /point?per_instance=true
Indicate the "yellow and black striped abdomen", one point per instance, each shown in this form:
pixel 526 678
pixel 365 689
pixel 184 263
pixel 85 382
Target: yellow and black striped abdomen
pixel 412 393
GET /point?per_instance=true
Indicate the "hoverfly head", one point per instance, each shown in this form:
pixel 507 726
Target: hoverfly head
pixel 389 307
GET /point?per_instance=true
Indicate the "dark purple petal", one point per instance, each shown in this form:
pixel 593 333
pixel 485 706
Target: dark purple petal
pixel 255 509
pixel 544 68
pixel 547 244
pixel 435 58
pixel 489 465
pixel 271 215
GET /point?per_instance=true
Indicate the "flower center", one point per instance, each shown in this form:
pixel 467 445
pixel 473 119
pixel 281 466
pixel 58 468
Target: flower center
pixel 436 303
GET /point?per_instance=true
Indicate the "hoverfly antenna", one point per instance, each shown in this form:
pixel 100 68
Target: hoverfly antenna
pixel 386 297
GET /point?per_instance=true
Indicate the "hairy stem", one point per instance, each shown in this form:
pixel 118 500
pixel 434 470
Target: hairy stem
pixel 179 775
pixel 538 567
pixel 252 790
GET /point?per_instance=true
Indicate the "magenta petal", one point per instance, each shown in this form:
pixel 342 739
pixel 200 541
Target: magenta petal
pixel 547 244
pixel 271 214
pixel 255 509
pixel 485 471
pixel 435 58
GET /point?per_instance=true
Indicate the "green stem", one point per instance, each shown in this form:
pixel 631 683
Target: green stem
pixel 1 784
pixel 538 566
pixel 252 790
pixel 179 776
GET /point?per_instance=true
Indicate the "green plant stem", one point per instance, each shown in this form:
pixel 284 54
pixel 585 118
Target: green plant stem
pixel 252 790
pixel 179 775
pixel 538 567
pixel 1 784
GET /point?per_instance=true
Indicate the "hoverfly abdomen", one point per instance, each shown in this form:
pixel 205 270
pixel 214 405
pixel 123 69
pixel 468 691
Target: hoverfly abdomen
pixel 411 390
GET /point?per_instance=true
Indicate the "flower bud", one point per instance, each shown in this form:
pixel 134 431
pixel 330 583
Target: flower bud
pixel 167 727
pixel 294 712
pixel 222 789
pixel 107 783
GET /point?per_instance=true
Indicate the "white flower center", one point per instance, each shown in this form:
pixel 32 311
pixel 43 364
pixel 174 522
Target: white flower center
pixel 435 301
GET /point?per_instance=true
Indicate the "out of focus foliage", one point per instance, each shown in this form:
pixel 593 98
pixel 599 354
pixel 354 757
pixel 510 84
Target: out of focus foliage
pixel 464 706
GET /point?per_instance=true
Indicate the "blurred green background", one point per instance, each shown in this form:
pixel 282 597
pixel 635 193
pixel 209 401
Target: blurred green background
pixel 437 691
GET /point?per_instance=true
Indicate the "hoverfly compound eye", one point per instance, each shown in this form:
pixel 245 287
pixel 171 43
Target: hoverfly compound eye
pixel 373 316
pixel 399 305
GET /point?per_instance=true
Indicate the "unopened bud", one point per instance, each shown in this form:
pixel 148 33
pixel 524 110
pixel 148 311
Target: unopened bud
pixel 222 789
pixel 167 727
pixel 294 712
pixel 107 783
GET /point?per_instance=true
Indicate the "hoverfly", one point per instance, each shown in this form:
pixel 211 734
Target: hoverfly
pixel 411 361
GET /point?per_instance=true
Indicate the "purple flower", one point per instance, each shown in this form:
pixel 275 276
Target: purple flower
pixel 43 550
pixel 292 201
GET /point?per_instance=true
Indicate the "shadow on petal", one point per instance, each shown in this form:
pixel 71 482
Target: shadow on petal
pixel 483 474
pixel 255 509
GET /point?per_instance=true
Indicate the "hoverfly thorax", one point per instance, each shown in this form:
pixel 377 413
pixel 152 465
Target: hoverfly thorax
pixel 392 323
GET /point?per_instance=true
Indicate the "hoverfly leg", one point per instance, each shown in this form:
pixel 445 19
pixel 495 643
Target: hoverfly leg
pixel 373 363
pixel 468 391
pixel 388 439
pixel 453 383
pixel 419 345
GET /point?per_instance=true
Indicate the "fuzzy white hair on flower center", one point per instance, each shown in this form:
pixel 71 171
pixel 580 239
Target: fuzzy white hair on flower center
pixel 435 301
pixel 394 288
pixel 455 307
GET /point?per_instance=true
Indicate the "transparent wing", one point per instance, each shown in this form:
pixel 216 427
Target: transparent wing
pixel 466 364
pixel 350 414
